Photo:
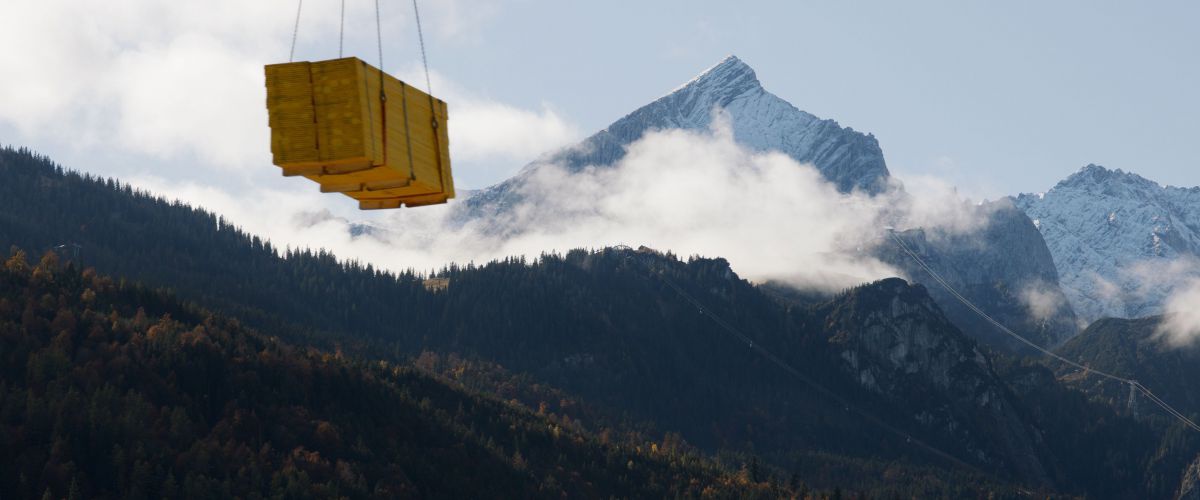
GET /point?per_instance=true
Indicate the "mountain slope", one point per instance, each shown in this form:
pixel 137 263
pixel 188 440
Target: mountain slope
pixel 1121 242
pixel 848 159
pixel 1004 268
pixel 107 390
pixel 759 120
pixel 137 236
pixel 896 341
pixel 514 313
pixel 603 331
pixel 682 371
pixel 1132 348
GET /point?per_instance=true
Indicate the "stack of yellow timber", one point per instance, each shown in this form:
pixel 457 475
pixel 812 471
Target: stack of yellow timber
pixel 330 124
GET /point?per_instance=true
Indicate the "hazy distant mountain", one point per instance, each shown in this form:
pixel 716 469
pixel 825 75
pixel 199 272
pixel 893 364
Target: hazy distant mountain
pixel 1118 239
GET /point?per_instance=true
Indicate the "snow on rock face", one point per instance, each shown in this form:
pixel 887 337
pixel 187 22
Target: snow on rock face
pixel 759 120
pixel 1121 242
pixel 764 122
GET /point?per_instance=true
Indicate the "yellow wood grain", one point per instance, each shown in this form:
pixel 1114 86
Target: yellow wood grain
pixel 328 117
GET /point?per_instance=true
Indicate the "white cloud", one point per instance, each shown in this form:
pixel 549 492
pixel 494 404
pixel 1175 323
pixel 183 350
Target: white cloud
pixel 155 78
pixel 1140 288
pixel 490 138
pixel 694 193
pixel 946 173
pixel 1181 324
pixel 288 217
pixel 689 192
pixel 482 130
pixel 1156 278
pixel 1042 300
pixel 178 86
pixel 192 95
pixel 934 202
pixel 701 193
pixel 459 19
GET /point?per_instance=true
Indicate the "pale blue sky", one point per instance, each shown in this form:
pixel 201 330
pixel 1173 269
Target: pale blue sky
pixel 995 97
pixel 998 97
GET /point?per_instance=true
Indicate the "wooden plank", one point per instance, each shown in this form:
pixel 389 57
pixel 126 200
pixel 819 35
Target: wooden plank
pixel 365 174
pixel 379 204
pixel 328 125
pixel 412 201
pixel 318 168
pixel 373 112
pixel 290 113
pixel 444 142
pixel 421 201
pixel 364 188
pixel 339 103
pixel 414 188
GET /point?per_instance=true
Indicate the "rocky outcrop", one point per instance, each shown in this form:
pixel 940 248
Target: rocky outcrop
pixel 896 342
pixel 1189 487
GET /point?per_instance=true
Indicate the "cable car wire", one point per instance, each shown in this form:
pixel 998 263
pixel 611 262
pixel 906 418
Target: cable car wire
pixel 1087 370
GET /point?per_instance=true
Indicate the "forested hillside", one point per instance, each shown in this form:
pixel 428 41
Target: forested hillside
pixel 126 233
pixel 1132 348
pixel 112 391
pixel 630 348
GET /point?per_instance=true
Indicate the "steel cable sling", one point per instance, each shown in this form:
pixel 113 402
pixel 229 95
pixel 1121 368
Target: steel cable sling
pixel 382 93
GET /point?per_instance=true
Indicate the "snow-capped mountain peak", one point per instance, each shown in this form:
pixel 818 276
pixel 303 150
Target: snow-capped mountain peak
pixel 1121 242
pixel 731 76
pixel 1096 177
pixel 759 120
